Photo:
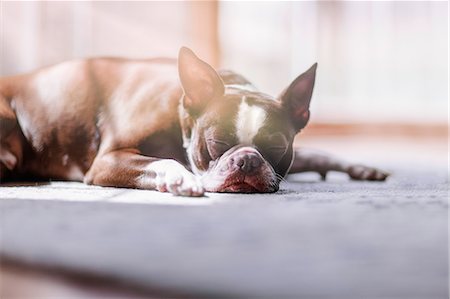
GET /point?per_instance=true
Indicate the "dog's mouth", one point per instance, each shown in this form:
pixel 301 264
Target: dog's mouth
pixel 243 184
pixel 241 187
pixel 228 176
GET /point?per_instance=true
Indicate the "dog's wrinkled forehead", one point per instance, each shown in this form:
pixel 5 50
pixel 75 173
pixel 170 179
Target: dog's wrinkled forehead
pixel 243 115
pixel 249 120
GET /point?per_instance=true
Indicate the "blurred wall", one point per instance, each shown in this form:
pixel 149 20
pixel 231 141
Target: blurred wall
pixel 378 61
pixel 35 34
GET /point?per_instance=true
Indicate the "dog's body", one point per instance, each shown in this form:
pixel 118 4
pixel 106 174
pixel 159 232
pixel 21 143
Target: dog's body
pixel 117 122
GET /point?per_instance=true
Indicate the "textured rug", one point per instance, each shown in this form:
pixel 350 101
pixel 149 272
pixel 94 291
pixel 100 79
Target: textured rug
pixel 313 239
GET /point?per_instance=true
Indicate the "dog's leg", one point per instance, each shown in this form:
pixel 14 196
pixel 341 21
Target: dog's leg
pixel 127 168
pixel 309 160
pixel 8 121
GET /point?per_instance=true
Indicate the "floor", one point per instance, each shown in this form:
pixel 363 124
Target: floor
pixel 313 239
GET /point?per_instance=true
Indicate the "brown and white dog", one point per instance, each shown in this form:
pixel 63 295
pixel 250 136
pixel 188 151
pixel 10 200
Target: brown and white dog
pixel 156 124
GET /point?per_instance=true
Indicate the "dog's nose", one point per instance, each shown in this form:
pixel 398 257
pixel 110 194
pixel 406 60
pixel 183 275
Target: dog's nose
pixel 247 162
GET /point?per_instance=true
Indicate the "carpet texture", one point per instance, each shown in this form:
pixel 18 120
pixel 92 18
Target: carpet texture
pixel 313 239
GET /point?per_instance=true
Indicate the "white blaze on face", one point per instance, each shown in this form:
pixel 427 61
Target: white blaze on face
pixel 246 87
pixel 190 152
pixel 248 122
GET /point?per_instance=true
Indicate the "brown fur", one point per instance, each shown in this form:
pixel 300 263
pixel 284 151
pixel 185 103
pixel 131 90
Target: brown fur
pixel 105 121
pixel 105 106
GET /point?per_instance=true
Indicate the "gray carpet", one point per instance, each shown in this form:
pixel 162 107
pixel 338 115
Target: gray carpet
pixel 313 239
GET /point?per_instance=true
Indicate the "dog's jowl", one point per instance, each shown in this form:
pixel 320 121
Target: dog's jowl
pixel 176 126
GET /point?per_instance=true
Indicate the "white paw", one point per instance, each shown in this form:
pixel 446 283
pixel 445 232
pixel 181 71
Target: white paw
pixel 183 183
pixel 173 177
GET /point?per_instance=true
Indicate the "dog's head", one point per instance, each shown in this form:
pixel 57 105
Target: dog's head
pixel 236 138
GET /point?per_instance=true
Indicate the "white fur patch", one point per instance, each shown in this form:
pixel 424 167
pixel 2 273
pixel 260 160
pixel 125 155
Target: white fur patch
pixel 190 150
pixel 74 173
pixel 7 158
pixel 246 87
pixel 158 171
pixel 248 122
pixel 65 159
pixel 171 176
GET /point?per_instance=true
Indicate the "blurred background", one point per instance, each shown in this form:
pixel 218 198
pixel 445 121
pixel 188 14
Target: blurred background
pixel 381 98
pixel 383 66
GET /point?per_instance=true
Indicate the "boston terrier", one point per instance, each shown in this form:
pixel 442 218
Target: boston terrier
pixel 158 124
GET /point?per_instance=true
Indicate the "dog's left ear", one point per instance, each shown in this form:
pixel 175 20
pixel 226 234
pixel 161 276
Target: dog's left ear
pixel 297 97
pixel 200 82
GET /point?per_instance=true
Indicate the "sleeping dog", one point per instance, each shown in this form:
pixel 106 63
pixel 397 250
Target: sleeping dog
pixel 159 124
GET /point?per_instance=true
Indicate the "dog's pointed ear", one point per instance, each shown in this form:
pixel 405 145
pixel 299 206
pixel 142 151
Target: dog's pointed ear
pixel 199 80
pixel 297 97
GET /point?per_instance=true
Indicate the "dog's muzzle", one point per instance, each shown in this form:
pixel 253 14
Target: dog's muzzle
pixel 241 170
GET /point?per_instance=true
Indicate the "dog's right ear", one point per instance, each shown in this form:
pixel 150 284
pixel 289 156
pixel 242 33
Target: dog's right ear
pixel 199 80
pixel 297 97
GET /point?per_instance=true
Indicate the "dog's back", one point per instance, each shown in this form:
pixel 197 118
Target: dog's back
pixel 54 121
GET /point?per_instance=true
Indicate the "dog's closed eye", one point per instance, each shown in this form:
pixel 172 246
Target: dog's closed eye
pixel 217 147
pixel 273 147
pixel 277 149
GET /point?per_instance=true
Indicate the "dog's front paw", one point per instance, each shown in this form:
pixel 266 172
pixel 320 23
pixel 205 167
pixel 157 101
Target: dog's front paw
pixel 365 173
pixel 183 183
pixel 173 177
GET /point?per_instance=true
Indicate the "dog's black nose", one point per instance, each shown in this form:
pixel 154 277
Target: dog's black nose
pixel 247 162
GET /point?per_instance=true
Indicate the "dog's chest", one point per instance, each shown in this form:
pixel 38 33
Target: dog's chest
pixel 166 144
